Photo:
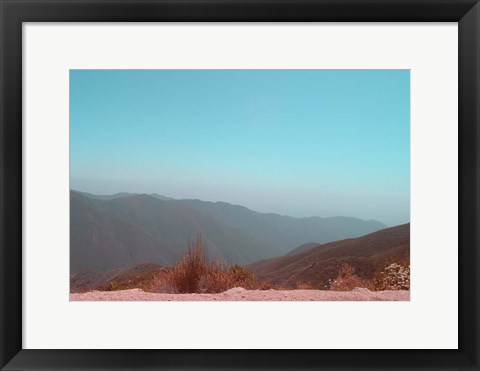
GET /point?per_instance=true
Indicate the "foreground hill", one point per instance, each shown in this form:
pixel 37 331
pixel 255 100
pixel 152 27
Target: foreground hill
pixel 122 230
pixel 367 254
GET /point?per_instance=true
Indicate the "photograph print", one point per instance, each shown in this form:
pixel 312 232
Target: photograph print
pixel 239 185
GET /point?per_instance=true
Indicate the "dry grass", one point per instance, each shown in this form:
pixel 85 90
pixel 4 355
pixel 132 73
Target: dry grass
pixel 393 277
pixel 186 275
pixel 197 273
pixel 347 280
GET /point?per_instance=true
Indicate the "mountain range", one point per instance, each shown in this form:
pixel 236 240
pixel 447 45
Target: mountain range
pixel 124 229
pixel 314 265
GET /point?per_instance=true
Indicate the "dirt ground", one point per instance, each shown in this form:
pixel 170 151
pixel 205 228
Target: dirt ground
pixel 240 294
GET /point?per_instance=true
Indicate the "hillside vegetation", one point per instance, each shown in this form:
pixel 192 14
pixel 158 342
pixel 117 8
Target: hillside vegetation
pixel 319 266
pixel 378 261
pixel 195 272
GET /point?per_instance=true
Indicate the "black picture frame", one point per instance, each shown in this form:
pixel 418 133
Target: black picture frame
pixel 15 12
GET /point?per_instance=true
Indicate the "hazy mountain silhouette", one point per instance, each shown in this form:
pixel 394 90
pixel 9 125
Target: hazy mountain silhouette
pixel 101 240
pixel 120 195
pixel 367 254
pixel 121 230
pixel 284 232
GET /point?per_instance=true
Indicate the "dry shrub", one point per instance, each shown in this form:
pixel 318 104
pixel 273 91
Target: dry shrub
pixel 242 277
pixel 185 276
pixel 196 273
pixel 393 277
pixel 112 286
pixel 162 283
pixel 215 279
pixel 347 280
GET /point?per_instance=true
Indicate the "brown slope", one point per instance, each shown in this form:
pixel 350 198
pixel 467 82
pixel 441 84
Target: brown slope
pixel 367 254
pixel 302 248
pixel 138 276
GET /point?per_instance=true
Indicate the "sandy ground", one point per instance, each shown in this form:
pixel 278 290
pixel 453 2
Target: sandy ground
pixel 240 294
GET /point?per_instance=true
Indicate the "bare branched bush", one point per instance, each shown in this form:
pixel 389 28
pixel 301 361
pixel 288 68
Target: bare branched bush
pixel 393 277
pixel 347 280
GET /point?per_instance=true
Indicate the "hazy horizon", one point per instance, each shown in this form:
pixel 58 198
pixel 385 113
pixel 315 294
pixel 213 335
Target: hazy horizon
pixel 298 142
pixel 232 203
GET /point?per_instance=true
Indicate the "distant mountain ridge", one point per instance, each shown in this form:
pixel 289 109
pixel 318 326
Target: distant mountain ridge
pixel 282 231
pixel 114 231
pixel 120 195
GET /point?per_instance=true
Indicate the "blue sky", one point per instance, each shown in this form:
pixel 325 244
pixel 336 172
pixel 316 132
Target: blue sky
pixel 294 142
